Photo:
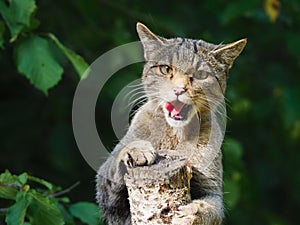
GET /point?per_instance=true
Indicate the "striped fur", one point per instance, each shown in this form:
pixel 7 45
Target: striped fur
pixel 200 69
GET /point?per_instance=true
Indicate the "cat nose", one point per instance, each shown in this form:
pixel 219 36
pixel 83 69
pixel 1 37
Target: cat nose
pixel 178 90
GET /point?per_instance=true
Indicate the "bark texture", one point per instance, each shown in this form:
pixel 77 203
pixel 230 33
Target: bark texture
pixel 156 192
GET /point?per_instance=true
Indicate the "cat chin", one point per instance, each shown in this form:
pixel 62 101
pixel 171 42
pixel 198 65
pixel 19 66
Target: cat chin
pixel 177 123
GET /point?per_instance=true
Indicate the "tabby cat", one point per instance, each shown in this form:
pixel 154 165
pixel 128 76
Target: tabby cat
pixel 184 81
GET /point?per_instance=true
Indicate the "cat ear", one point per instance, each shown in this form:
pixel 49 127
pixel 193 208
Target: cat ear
pixel 149 40
pixel 229 52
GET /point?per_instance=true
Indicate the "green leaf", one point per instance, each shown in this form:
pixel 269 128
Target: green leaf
pixel 7 180
pixel 8 192
pixel 41 181
pixel 87 212
pixel 68 218
pixel 16 213
pixel 63 199
pixel 17 14
pixel 23 178
pixel 77 61
pixel 44 211
pixel 6 177
pixel 35 59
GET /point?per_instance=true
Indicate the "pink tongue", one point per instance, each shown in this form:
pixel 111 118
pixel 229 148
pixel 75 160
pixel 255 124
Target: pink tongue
pixel 174 107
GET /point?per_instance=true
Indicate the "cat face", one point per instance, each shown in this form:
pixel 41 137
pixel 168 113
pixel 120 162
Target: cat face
pixel 187 76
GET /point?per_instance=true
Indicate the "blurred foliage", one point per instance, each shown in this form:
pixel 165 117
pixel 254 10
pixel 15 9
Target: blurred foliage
pixel 261 172
pixel 31 200
pixel 35 57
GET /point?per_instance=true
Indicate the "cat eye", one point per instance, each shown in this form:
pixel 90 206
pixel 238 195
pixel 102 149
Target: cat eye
pixel 201 74
pixel 165 70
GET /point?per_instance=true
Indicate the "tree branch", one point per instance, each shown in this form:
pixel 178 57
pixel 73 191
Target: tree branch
pixel 64 191
pixel 12 186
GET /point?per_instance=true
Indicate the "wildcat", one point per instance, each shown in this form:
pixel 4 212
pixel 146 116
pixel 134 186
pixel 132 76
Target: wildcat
pixel 184 81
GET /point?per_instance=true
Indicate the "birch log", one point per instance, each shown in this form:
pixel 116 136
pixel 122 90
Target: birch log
pixel 156 191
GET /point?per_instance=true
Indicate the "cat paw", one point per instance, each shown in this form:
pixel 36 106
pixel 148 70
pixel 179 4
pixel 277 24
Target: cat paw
pixel 191 208
pixel 196 207
pixel 187 214
pixel 138 153
pixel 201 209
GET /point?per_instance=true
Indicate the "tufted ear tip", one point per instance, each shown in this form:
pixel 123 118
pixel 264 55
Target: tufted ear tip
pixel 140 26
pixel 145 34
pixel 229 52
pixel 243 43
pixel 149 40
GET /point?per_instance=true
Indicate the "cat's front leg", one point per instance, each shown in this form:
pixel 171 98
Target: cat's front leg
pixel 112 194
pixel 209 209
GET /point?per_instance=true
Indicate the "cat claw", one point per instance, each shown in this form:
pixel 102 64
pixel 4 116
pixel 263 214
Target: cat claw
pixel 139 153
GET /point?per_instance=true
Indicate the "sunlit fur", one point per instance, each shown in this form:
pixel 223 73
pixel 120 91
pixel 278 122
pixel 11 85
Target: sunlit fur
pixel 201 69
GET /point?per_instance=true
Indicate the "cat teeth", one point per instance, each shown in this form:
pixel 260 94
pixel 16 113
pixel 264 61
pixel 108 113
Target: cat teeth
pixel 175 116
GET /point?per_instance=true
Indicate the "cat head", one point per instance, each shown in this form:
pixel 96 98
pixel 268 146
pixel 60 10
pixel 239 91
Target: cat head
pixel 187 76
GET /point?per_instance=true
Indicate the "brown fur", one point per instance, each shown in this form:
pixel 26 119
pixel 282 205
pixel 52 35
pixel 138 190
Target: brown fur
pixel 200 70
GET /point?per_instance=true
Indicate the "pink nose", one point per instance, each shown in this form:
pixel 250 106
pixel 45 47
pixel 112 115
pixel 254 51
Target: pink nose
pixel 178 90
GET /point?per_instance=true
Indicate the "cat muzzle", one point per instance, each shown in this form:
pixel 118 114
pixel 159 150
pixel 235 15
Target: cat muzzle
pixel 177 110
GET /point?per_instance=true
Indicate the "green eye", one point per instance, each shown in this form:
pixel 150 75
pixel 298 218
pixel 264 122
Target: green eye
pixel 201 75
pixel 165 70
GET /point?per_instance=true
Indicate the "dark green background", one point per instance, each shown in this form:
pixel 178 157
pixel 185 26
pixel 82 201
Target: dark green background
pixel 262 169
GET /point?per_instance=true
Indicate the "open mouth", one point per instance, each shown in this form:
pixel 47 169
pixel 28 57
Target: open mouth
pixel 178 110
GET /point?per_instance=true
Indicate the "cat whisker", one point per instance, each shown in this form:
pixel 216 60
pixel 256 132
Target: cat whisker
pixel 136 85
pixel 141 102
pixel 216 47
pixel 142 99
pixel 212 102
pixel 136 88
pixel 134 97
pixel 134 91
pixel 198 116
pixel 139 99
pixel 208 104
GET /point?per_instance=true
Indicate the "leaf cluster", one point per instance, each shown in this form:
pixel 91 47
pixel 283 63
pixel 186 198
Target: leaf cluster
pixel 39 56
pixel 35 201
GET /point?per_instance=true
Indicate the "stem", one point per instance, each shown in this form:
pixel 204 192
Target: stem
pixel 64 191
pixel 11 185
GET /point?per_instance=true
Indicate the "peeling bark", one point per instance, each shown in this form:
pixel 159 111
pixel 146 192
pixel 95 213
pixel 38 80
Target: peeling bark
pixel 157 191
